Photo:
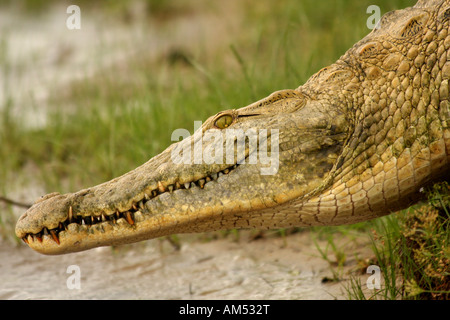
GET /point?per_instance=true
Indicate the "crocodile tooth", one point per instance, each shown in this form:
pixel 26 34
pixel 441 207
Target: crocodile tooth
pixel 208 179
pixel 30 238
pixel 214 176
pixel 141 204
pixel 24 239
pixel 170 188
pixel 193 184
pixel 161 187
pixel 154 193
pixel 134 207
pixel 103 217
pixel 146 197
pixel 54 236
pixel 220 174
pixel 226 171
pixel 128 216
pixel 70 214
pixel 117 214
pixel 201 183
pixel 39 236
pixel 45 231
pixel 187 185
pixel 177 185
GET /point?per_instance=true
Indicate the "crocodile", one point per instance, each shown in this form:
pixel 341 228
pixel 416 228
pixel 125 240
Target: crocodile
pixel 358 140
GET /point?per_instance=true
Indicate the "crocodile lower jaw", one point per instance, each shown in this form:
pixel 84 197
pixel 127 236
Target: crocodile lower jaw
pixel 136 219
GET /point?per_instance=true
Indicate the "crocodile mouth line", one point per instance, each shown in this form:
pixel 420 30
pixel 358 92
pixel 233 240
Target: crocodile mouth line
pixel 131 216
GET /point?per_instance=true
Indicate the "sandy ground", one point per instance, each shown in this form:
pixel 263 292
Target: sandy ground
pixel 268 268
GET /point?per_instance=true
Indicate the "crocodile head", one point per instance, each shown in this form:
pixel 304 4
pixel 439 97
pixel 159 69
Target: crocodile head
pixel 358 140
pixel 237 164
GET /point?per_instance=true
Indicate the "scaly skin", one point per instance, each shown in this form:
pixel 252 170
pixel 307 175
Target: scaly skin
pixel 357 141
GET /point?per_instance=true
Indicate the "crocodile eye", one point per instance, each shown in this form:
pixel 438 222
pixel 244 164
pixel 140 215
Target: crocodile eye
pixel 224 121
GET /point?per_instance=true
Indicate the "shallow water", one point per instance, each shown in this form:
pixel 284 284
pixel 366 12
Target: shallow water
pixel 219 269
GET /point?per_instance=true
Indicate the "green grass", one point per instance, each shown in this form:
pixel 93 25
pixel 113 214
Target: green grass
pixel 412 250
pixel 102 126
